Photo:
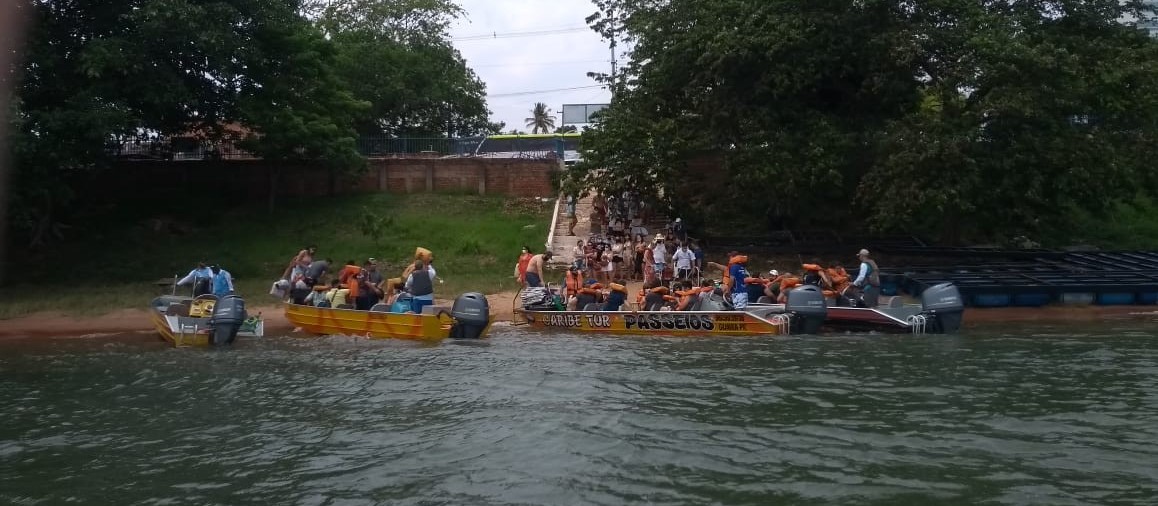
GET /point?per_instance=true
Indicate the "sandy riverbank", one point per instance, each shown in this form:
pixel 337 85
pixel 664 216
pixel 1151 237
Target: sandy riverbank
pixel 134 320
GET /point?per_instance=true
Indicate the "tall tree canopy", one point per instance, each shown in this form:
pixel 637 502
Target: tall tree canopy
pixel 958 119
pixel 301 79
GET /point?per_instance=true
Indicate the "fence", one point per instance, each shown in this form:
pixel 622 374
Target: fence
pixel 537 147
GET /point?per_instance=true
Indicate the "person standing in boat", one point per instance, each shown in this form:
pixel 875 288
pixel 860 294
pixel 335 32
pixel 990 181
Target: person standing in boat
pixel 300 264
pixel 534 275
pixel 868 279
pixel 201 278
pixel 316 270
pixel 684 260
pixel 420 286
pixel 222 281
pixel 738 271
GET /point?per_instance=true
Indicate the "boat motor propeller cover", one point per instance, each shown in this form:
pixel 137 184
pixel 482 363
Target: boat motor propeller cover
pixel 228 317
pixel 808 308
pixel 944 304
pixel 472 314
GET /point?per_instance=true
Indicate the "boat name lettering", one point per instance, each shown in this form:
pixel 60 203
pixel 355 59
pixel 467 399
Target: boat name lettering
pixel 729 318
pixel 669 322
pixel 564 320
pixel 731 326
pixel 598 320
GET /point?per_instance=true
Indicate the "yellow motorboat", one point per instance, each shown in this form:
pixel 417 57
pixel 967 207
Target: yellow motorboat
pixel 204 320
pixel 469 318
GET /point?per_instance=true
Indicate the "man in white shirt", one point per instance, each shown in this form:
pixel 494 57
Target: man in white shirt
pixel 659 257
pixel 683 262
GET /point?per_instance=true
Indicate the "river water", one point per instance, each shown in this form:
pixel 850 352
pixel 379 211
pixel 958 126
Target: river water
pixel 1040 415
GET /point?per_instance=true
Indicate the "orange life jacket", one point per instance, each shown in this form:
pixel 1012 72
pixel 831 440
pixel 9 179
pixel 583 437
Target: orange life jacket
pixel 687 298
pixel 573 280
pixel 727 280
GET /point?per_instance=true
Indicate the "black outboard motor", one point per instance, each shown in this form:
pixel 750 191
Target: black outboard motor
pixel 472 314
pixel 943 308
pixel 808 309
pixel 228 316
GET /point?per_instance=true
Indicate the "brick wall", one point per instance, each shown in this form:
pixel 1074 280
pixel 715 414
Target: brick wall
pixel 255 178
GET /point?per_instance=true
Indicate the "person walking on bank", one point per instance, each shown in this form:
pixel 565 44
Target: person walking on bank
pixel 868 279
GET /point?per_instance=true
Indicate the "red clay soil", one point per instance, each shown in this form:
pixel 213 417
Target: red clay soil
pixel 51 324
pixel 135 320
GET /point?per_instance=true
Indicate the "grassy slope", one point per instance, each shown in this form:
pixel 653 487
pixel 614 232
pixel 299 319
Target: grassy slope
pixel 475 240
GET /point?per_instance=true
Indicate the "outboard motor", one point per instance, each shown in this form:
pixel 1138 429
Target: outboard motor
pixel 808 309
pixel 943 308
pixel 472 315
pixel 228 316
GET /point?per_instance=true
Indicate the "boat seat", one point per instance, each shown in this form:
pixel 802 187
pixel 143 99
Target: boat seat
pixel 895 302
pixel 380 308
pixel 177 309
pixel 594 306
pixel 188 323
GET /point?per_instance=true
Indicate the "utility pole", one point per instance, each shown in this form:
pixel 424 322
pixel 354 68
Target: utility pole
pixel 611 15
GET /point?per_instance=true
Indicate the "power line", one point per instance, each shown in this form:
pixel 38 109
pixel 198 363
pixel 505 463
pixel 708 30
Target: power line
pixel 522 93
pixel 533 64
pixel 511 35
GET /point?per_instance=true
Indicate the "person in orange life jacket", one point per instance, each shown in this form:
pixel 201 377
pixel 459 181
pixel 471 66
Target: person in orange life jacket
pixel 367 291
pixel 420 285
pixel 869 278
pixel 738 272
pixel 589 294
pixel 616 297
pixel 755 288
pixel 348 271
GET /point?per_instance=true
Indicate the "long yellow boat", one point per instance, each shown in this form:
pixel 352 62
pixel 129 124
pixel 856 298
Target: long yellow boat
pixel 468 319
pixel 697 323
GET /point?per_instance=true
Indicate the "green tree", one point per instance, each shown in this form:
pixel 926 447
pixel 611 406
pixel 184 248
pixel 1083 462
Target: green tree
pixel 541 119
pixel 396 55
pixel 964 119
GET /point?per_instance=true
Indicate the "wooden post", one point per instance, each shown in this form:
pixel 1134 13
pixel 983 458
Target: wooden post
pixel 482 178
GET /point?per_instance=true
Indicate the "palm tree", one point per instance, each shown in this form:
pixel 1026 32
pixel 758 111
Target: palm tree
pixel 541 119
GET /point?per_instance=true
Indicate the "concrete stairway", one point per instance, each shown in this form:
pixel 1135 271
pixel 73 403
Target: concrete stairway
pixel 563 244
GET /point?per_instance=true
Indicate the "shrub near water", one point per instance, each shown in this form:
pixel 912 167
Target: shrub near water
pixel 475 240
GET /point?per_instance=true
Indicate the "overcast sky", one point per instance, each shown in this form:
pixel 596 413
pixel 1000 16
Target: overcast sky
pixel 492 38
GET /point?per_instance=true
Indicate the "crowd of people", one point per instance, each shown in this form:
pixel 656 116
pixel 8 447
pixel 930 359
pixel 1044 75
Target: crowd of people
pixel 588 288
pixel 308 280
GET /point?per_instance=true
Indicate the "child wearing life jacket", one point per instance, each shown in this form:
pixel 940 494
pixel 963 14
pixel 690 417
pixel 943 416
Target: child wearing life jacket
pixel 688 296
pixel 590 294
pixel 656 298
pixel 616 297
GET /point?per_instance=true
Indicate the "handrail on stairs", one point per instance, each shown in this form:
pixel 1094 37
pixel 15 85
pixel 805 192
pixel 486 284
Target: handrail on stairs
pixel 554 222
